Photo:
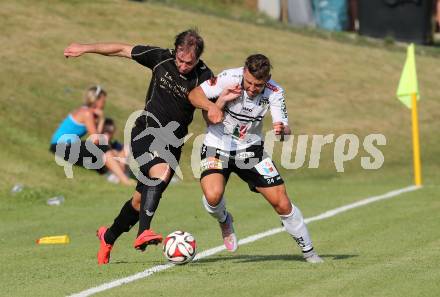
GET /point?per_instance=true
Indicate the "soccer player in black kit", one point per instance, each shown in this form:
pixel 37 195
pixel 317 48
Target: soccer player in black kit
pixel 175 72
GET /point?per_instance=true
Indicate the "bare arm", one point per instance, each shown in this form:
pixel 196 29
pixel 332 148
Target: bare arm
pixel 205 117
pixel 106 49
pixel 199 100
pixel 99 120
pixel 89 121
pixel 228 94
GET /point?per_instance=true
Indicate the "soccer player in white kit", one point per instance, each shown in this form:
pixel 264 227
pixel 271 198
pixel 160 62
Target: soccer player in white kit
pixel 236 145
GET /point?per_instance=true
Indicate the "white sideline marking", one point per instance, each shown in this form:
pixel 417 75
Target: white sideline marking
pixel 249 239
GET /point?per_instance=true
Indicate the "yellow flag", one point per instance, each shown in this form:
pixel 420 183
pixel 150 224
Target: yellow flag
pixel 408 81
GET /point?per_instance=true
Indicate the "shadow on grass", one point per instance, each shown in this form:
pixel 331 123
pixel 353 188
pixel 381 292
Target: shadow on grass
pixel 245 259
pixel 262 258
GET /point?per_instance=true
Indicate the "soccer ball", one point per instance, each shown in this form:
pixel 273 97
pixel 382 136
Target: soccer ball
pixel 179 247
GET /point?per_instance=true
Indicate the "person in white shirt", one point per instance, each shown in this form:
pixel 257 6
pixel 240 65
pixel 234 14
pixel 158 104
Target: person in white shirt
pixel 236 145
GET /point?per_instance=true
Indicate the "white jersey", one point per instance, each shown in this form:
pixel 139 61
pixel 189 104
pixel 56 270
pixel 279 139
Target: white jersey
pixel 242 126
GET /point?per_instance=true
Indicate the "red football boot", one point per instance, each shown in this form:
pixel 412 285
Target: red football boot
pixel 104 248
pixel 146 238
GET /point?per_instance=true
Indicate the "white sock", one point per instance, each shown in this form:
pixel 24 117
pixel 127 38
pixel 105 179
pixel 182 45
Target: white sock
pixel 218 211
pixel 295 226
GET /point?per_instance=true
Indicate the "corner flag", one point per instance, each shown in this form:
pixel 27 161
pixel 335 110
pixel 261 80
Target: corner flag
pixel 408 81
pixel 408 94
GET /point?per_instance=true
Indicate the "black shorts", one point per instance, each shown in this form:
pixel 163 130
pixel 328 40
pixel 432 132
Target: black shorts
pixel 252 165
pixel 150 150
pixel 78 154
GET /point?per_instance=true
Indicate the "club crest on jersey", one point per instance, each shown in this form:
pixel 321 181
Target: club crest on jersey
pixel 211 163
pixel 266 168
pixel 263 101
pixel 240 131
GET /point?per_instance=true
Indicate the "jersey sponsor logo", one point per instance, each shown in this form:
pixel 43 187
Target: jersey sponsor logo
pixel 168 83
pixel 212 81
pixel 272 87
pixel 211 163
pixel 266 168
pixel 247 109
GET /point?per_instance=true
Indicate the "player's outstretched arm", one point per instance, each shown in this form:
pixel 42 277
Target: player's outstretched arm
pixel 106 49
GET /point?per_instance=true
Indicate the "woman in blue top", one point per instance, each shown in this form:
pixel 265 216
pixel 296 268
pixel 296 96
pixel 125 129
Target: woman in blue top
pixel 88 119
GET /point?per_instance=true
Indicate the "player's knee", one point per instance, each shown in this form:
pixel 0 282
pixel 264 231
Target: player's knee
pixel 214 195
pixel 284 206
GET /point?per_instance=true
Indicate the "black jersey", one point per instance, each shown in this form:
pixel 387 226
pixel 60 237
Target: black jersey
pixel 167 96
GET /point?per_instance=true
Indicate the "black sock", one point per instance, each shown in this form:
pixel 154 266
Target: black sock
pixel 150 198
pixel 126 219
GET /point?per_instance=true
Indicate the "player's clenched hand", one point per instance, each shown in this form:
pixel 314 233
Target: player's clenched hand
pixel 215 114
pixel 74 50
pixel 280 129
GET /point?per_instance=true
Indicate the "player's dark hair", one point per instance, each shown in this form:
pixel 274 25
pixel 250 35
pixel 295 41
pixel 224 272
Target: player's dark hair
pixel 189 40
pixel 109 126
pixel 259 66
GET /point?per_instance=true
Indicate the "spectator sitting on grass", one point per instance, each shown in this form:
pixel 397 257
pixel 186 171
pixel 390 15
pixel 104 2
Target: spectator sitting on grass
pixel 87 119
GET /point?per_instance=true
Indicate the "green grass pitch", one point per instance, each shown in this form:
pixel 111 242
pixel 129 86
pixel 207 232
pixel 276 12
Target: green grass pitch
pixel 389 248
